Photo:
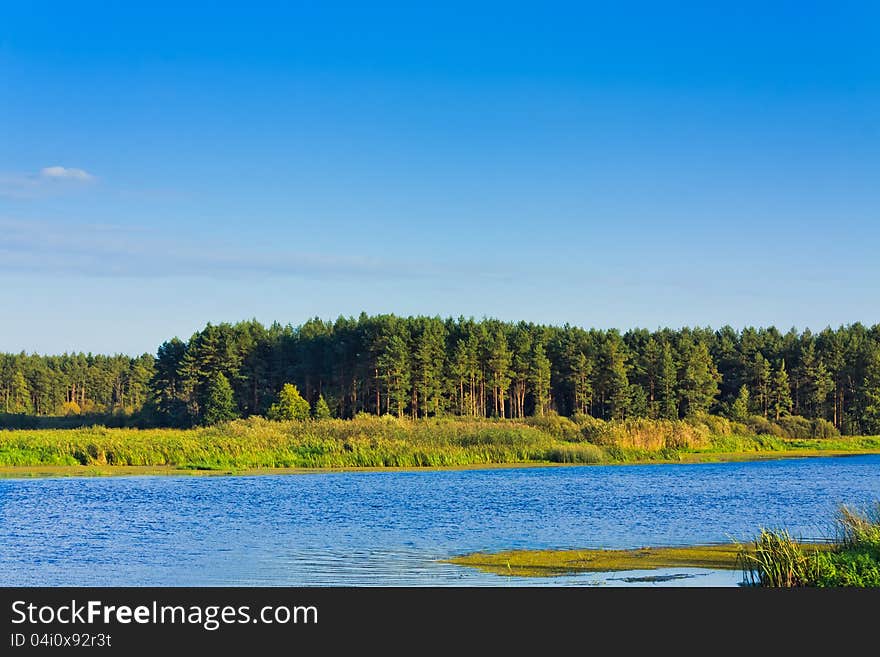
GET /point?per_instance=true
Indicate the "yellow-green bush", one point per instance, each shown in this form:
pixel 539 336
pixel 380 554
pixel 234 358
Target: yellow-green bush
pixel 645 434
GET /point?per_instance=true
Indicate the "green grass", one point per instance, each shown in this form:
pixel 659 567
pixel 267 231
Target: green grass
pixel 387 442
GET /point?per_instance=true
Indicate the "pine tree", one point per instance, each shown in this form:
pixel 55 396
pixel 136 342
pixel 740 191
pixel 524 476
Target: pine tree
pixel 219 402
pixel 140 371
pixel 871 393
pixel 461 370
pixel 667 384
pixel 823 386
pixel 499 367
pixel 699 382
pixel 322 411
pixel 761 381
pixel 39 384
pixel 781 391
pixel 739 410
pixel 653 356
pixel 539 378
pixel 290 405
pixel 18 400
pixel 394 372
pixel 834 355
pixel 815 382
pixel 613 378
pixel 428 367
pixel 520 370
pixel 638 401
pixel 581 371
pixel 191 384
pixel 166 384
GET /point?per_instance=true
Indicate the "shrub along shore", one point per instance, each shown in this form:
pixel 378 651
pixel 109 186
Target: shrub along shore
pixel 388 442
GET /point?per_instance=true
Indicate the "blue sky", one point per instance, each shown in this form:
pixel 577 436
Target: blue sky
pixel 602 164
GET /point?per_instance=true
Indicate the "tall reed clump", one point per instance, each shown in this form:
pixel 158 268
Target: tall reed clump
pixel 583 453
pixel 857 562
pixel 777 560
pixel 858 528
pixel 853 559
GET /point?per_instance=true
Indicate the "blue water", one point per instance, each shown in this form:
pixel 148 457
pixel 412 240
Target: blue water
pixel 377 528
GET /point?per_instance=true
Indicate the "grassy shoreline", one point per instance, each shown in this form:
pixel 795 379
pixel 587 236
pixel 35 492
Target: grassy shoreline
pixel 18 472
pixel 42 471
pixel 371 443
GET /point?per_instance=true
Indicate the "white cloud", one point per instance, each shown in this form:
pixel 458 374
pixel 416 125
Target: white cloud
pixel 48 181
pixel 61 247
pixel 66 173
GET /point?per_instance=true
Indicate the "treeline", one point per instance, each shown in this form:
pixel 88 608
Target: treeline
pixel 425 367
pixel 74 384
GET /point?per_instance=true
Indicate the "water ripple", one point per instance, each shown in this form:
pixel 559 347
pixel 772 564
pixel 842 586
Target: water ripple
pixel 368 529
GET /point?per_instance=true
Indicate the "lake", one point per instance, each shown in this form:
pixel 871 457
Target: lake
pixel 391 528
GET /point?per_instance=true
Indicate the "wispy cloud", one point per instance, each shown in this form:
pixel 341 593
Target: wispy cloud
pixel 45 247
pixel 66 173
pixel 48 180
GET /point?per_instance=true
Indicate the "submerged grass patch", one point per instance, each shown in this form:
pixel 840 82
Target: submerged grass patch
pixel 774 559
pixel 543 563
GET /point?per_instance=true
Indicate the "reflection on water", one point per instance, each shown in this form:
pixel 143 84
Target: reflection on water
pixel 375 528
